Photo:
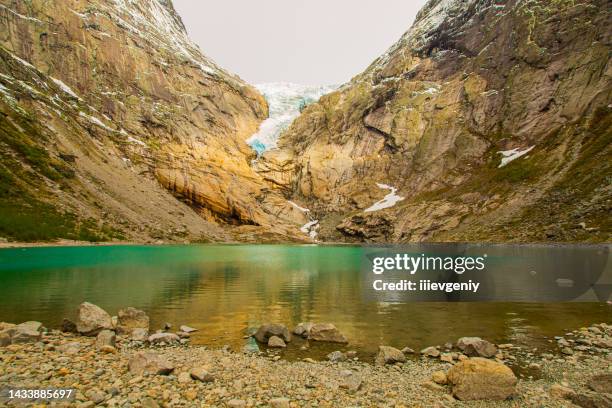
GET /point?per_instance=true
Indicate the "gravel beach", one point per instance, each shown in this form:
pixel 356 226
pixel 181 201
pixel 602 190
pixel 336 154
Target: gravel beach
pixel 117 371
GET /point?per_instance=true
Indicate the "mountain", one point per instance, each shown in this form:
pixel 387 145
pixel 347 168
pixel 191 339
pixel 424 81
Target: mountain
pixel 487 121
pixel 114 126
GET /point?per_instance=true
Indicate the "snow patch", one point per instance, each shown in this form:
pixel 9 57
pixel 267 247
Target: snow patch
pixel 95 121
pixel 131 139
pixel 510 155
pixel 20 15
pixel 302 209
pixel 388 201
pixel 311 228
pixel 65 88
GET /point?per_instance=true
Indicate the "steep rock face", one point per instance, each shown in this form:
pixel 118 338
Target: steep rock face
pixel 491 119
pixel 108 110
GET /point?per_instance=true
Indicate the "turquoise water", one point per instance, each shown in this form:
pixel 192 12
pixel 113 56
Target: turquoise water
pixel 225 291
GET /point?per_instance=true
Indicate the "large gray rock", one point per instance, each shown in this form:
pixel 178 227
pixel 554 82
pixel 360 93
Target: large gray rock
pixel 266 331
pixel 326 332
pixel 139 334
pixel 28 332
pixel 164 338
pixel 92 319
pixel 475 346
pixel 389 355
pixel 129 319
pixel 149 363
pixel 478 378
pixel 106 338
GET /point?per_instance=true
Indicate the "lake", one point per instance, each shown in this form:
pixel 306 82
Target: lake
pixel 227 290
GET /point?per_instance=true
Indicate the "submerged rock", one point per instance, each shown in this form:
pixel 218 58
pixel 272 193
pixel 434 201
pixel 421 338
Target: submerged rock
pixel 266 331
pixel 475 346
pixel 336 356
pixel 187 329
pixel 92 319
pixel 149 363
pixel 478 378
pixel 430 352
pixel 303 329
pixel 389 355
pixel 130 319
pixel 326 332
pixel 276 342
pixel 164 338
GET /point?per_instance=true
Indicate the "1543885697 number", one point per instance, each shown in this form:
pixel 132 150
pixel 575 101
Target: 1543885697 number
pixel 36 394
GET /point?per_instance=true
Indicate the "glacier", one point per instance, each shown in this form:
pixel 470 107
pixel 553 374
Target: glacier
pixel 285 101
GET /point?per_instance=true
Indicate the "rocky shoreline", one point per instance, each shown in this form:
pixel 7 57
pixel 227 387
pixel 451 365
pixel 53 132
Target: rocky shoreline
pixel 117 362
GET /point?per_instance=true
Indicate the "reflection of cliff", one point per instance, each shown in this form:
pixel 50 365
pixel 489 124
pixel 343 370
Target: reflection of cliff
pixel 225 290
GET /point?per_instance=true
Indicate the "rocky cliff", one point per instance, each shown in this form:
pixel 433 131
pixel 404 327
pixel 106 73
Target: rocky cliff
pixel 487 121
pixel 113 125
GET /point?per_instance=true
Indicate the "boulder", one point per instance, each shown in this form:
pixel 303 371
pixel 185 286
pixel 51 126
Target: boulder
pixel 350 380
pixel 139 334
pixel 106 338
pixel 276 342
pixel 389 355
pixel 326 332
pixel 92 319
pixel 430 352
pixel 336 356
pixel 266 331
pixel 129 319
pixel 202 374
pixel 5 337
pixel 407 350
pixel 68 326
pixel 149 363
pixel 475 346
pixel 439 377
pixel 303 329
pixel 164 338
pixel 28 332
pixel 478 378
pixel 446 357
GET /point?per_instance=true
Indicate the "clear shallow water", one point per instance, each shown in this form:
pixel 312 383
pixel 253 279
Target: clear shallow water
pixel 227 290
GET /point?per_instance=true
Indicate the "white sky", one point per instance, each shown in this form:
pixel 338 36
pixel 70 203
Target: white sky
pixel 311 42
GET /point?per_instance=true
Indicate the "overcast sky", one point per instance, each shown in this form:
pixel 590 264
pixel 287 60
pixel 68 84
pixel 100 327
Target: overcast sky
pixel 313 42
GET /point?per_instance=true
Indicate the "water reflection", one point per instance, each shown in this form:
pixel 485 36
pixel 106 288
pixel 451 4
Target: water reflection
pixel 225 290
